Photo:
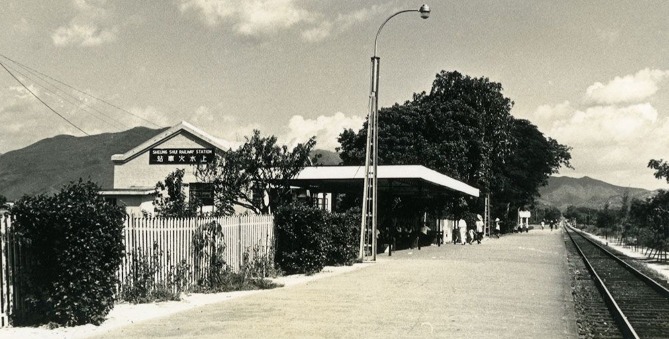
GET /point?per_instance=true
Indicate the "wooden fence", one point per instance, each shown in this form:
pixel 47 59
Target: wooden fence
pixel 170 242
pixel 170 239
pixel 8 266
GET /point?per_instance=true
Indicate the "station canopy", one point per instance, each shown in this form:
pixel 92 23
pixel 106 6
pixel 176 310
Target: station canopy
pixel 398 179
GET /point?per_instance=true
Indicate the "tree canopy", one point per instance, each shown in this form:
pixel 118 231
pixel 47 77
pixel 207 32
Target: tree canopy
pixel 464 128
pixel 256 175
pixel 661 168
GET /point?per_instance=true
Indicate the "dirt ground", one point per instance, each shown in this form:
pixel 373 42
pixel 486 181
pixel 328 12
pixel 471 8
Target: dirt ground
pixel 513 287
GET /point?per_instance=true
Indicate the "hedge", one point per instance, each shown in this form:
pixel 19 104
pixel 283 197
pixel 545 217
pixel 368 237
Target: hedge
pixel 74 243
pixel 309 238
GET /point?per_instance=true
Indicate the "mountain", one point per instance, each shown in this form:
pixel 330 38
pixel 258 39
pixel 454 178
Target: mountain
pixel 562 192
pixel 45 166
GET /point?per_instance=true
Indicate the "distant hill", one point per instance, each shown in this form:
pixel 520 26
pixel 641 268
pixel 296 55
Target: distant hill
pixel 45 166
pixel 586 192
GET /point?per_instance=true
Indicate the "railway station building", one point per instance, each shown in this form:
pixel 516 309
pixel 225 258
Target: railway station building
pixel 184 146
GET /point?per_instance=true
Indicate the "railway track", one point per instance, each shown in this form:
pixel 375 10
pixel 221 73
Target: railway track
pixel 639 305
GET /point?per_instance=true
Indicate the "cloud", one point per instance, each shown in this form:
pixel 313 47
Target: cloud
pixel 615 131
pixel 149 113
pixel 318 33
pixel 88 27
pixel 259 18
pixel 325 128
pixel 21 114
pixel 82 35
pixel 251 18
pixel 605 124
pixel 547 113
pixel 341 23
pixel 628 89
pixel 228 129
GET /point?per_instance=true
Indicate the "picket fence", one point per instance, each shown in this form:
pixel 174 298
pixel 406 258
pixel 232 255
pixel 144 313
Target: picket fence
pixel 170 238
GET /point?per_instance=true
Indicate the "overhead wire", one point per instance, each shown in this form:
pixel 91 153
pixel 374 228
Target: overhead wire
pixel 79 91
pixel 42 101
pixel 76 105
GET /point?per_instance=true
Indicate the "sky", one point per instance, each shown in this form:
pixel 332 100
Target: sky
pixel 594 75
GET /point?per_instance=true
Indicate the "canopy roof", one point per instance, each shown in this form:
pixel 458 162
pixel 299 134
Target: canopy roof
pixel 399 179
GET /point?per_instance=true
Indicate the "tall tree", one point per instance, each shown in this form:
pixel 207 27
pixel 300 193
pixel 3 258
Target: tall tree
pixel 529 164
pixel 463 128
pixel 256 175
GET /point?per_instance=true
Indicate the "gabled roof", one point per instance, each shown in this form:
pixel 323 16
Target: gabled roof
pixel 170 133
pixel 398 178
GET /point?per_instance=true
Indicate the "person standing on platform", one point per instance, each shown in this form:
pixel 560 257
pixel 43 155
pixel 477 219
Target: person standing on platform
pixel 479 228
pixel 455 233
pixel 462 225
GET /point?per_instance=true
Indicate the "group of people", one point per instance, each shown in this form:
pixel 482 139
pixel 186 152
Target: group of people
pixel 404 237
pixel 464 235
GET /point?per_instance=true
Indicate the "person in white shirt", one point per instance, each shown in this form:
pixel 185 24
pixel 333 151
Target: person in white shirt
pixel 462 224
pixel 479 228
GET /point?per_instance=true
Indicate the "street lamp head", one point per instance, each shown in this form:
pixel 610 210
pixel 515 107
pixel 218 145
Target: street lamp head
pixel 424 11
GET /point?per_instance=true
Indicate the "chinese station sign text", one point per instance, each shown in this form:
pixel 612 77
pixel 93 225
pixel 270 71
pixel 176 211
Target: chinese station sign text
pixel 176 156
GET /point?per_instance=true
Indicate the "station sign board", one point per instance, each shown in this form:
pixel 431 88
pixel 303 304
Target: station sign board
pixel 181 156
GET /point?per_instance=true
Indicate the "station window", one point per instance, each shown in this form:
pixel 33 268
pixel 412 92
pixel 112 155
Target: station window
pixel 203 192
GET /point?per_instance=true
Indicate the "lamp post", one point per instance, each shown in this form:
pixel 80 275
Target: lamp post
pixel 370 192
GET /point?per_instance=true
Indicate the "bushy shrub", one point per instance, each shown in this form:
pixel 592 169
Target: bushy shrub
pixel 73 242
pixel 300 239
pixel 309 238
pixel 343 238
pixel 260 265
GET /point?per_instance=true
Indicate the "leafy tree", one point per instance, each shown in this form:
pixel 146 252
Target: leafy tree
pixel 3 200
pixel 652 217
pixel 661 168
pixel 546 213
pixel 74 241
pixel 174 202
pixel 581 215
pixel 257 168
pixel 606 219
pixel 463 128
pixel 532 159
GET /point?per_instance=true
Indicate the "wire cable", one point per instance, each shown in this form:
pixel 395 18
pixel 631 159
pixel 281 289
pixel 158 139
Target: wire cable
pixel 40 100
pixel 77 90
pixel 82 107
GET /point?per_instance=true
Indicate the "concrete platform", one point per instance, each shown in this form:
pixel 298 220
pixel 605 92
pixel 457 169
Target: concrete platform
pixel 513 287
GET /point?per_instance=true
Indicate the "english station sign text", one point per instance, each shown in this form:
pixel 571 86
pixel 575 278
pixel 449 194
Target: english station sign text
pixel 176 156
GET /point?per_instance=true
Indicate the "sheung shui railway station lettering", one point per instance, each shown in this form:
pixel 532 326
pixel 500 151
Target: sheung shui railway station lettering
pixel 187 156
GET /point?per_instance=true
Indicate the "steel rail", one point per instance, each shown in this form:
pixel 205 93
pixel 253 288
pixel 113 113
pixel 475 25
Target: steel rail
pixel 623 323
pixel 645 278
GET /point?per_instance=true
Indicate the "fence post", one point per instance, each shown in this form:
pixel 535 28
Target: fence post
pixel 239 242
pixel 4 271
